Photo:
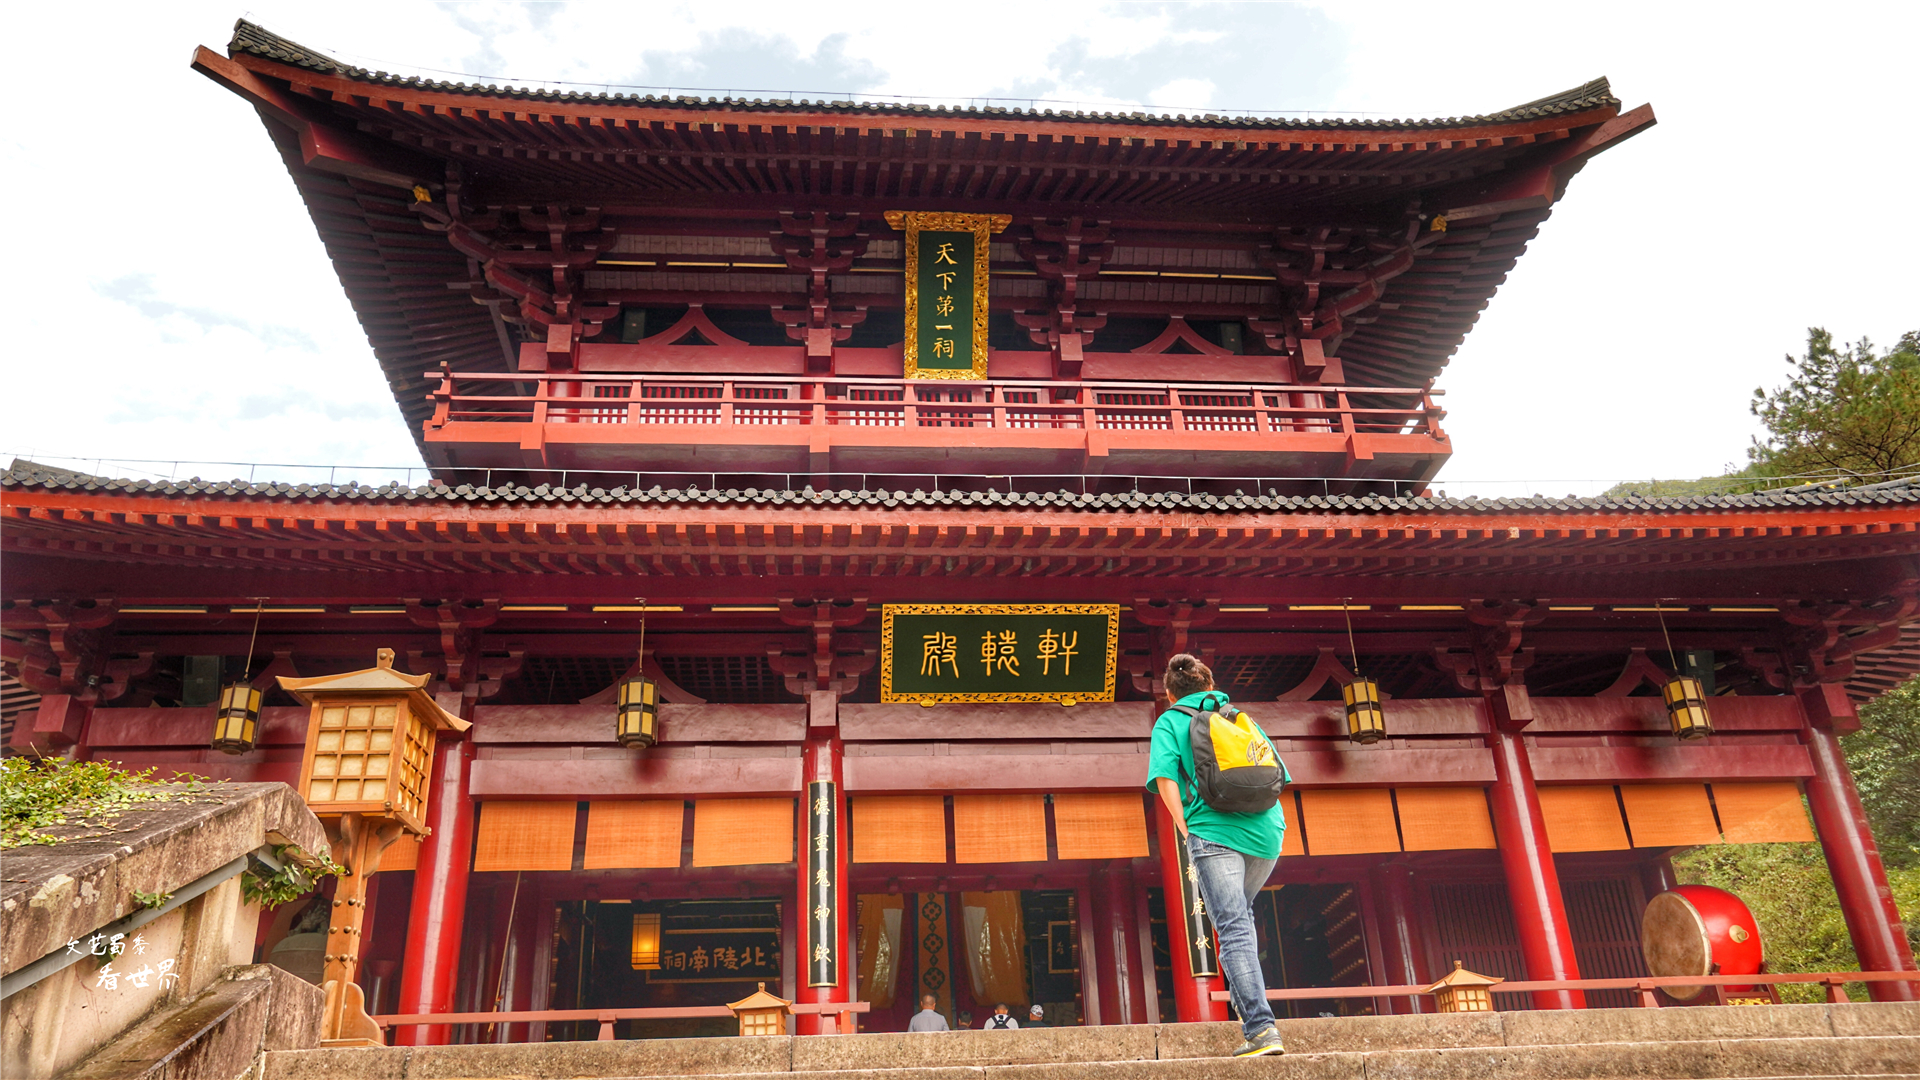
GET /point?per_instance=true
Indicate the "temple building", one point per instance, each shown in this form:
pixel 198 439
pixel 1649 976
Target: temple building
pixel 818 489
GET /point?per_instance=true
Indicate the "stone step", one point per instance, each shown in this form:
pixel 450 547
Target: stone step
pixel 1719 1041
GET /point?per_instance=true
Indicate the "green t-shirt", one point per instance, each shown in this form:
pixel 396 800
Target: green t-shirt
pixel 1259 834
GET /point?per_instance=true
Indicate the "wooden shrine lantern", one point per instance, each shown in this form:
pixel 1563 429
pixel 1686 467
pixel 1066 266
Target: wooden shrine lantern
pixel 1366 722
pixel 369 752
pixel 1687 708
pixel 646 941
pixel 1463 991
pixel 238 719
pixel 761 1013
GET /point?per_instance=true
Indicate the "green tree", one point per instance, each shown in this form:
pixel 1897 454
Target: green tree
pixel 1847 412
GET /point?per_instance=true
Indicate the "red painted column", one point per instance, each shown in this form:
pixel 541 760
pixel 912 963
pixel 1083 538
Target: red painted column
pixel 824 968
pixel 431 966
pixel 1873 922
pixel 1192 994
pixel 1123 995
pixel 1533 885
pixel 1401 945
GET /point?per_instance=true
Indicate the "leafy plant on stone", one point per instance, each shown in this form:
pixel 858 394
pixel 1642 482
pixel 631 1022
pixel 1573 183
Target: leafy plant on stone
pixel 38 794
pixel 292 880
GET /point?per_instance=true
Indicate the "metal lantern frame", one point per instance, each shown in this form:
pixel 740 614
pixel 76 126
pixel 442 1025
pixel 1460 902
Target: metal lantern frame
pixel 1366 720
pixel 637 721
pixel 646 941
pixel 1686 699
pixel 1464 991
pixel 237 722
pixel 1687 708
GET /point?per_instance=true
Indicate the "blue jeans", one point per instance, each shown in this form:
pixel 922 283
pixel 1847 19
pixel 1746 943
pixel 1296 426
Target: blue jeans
pixel 1229 880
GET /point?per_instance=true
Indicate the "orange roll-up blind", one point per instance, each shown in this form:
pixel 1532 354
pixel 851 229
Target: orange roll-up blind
pixel 1669 815
pixel 1444 818
pixel 524 836
pixel 1350 821
pixel 1762 813
pixel 634 835
pixel 742 832
pixel 899 828
pixel 1295 840
pixel 1582 819
pixel 402 854
pixel 999 828
pixel 1107 825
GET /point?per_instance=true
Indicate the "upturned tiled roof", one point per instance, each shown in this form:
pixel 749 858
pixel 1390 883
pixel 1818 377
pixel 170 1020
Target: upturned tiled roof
pixel 23 476
pixel 256 40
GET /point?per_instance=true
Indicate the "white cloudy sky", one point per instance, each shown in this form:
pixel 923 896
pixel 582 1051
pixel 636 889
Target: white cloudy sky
pixel 175 304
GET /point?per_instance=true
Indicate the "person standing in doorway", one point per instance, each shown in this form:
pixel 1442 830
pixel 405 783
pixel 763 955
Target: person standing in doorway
pixel 1036 1017
pixel 1233 852
pixel 1001 1020
pixel 928 1018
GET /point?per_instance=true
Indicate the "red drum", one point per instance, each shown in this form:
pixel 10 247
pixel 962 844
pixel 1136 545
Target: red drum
pixel 1700 930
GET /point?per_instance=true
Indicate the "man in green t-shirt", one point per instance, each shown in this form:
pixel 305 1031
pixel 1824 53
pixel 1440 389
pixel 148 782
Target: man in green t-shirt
pixel 1233 854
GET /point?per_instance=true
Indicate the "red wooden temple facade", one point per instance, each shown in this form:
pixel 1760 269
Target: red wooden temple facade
pixel 656 352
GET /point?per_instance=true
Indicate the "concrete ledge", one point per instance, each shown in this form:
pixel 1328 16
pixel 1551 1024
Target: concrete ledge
pixel 1666 1025
pixel 1664 1061
pixel 1875 1018
pixel 1276 1067
pixel 639 1057
pixel 977 1048
pixel 217 1033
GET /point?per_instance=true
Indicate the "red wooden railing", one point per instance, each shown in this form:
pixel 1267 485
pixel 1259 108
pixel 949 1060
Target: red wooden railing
pixel 1834 981
pixel 828 1011
pixel 763 401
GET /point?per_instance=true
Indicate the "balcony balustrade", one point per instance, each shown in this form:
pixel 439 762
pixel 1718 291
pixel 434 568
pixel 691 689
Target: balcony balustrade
pixel 764 425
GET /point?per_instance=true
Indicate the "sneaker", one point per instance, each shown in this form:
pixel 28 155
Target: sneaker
pixel 1264 1041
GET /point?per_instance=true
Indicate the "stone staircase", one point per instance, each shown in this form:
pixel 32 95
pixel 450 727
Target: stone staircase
pixel 1804 1041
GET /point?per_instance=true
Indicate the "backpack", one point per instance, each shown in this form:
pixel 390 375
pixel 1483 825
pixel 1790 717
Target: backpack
pixel 998 1021
pixel 1236 770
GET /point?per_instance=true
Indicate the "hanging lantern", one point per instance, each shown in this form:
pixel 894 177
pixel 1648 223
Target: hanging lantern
pixel 646 941
pixel 1366 723
pixel 239 715
pixel 638 723
pixel 1687 708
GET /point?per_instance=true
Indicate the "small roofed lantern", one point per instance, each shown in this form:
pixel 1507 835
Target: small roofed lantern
pixel 646 941
pixel 238 719
pixel 761 1013
pixel 1463 991
pixel 370 742
pixel 1687 708
pixel 1366 723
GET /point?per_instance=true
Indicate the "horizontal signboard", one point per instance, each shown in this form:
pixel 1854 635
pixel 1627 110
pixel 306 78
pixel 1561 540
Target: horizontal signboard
pixel 935 653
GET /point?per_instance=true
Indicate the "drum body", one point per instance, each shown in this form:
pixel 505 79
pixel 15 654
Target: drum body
pixel 1700 930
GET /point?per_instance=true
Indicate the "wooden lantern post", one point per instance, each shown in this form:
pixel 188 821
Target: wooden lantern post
pixel 1464 991
pixel 760 1013
pixel 369 751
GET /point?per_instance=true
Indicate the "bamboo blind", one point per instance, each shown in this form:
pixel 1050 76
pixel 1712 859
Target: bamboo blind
pixel 1762 813
pixel 1294 842
pixel 634 835
pixel 1350 821
pixel 402 854
pixel 1582 819
pixel 999 828
pixel 1444 818
pixel 524 836
pixel 1108 825
pixel 742 832
pixel 1669 815
pixel 899 828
